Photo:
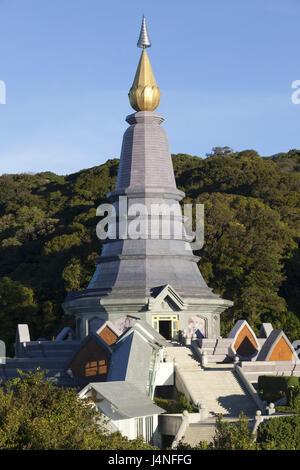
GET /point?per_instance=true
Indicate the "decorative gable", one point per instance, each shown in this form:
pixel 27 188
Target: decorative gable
pixel 281 351
pixel 277 348
pixel 108 333
pixel 165 299
pixel 91 361
pixel 244 343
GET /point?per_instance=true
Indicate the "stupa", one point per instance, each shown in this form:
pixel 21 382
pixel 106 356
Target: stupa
pixel 151 272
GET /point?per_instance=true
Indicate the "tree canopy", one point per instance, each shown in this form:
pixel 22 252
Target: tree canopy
pixel 37 415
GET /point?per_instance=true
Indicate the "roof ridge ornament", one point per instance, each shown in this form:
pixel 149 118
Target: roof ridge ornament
pixel 144 40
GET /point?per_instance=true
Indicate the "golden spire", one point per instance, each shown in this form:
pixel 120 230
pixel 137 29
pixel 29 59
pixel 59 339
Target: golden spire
pixel 144 94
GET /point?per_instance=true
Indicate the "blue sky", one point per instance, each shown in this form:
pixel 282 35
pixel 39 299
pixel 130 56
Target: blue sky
pixel 225 70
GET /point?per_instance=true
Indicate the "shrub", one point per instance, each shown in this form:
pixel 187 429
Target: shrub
pixel 182 403
pixel 293 398
pixel 280 433
pixel 272 388
pixel 176 406
pixel 165 404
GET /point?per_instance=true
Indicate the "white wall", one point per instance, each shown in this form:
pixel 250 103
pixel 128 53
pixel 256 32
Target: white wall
pixel 165 374
pixel 126 426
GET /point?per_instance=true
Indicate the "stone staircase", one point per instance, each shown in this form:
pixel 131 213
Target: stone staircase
pixel 204 431
pixel 200 432
pixel 216 386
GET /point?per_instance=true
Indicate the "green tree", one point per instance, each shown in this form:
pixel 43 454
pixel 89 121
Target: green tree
pixel 233 436
pixel 17 305
pixel 280 433
pixel 72 275
pixel 37 415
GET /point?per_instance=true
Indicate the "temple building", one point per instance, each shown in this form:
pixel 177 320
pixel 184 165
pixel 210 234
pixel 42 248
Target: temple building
pixel 153 276
pixel 147 293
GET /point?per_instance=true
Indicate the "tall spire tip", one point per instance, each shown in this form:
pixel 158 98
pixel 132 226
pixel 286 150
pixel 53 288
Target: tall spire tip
pixel 144 40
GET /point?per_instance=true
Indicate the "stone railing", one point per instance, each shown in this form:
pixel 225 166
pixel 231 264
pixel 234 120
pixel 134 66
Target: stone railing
pixel 260 418
pixel 183 387
pixel 182 429
pixel 176 424
pixel 249 387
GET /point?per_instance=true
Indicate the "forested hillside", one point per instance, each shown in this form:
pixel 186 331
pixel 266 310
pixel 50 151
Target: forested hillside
pixel 252 229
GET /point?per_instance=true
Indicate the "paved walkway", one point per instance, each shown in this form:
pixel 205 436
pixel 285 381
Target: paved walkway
pixel 216 386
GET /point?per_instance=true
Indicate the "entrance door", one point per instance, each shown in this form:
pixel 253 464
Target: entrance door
pixel 165 328
pixel 166 325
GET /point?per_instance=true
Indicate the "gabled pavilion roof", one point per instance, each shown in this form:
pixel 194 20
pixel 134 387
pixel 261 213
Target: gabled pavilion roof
pixel 127 399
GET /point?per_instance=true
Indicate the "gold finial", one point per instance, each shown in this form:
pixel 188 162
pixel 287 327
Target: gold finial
pixel 144 94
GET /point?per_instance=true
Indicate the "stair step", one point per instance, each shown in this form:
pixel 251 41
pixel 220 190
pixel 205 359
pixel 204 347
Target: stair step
pixel 217 388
